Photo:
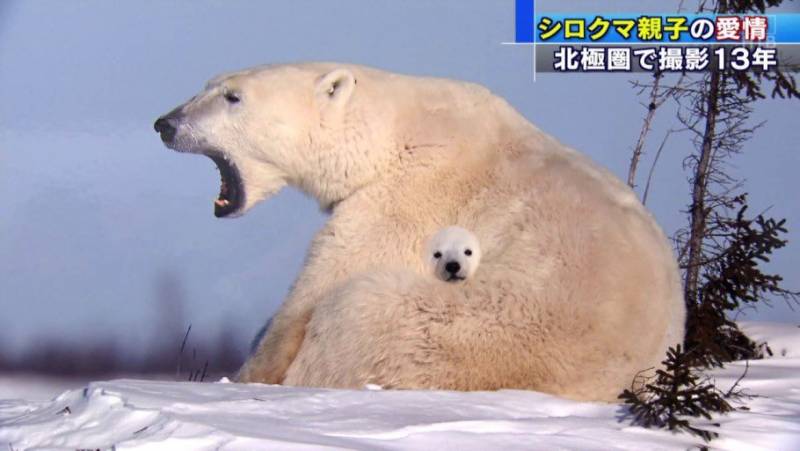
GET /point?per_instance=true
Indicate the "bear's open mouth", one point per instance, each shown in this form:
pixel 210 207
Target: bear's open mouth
pixel 231 191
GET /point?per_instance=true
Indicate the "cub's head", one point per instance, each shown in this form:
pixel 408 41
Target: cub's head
pixel 453 254
pixel 276 125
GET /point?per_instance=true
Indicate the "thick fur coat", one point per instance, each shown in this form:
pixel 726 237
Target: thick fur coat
pixel 578 289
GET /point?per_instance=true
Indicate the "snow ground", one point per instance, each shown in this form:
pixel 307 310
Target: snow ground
pixel 150 415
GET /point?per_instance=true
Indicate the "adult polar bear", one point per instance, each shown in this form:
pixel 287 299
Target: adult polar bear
pixel 578 289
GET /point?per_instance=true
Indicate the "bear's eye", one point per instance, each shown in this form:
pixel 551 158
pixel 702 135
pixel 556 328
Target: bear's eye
pixel 468 252
pixel 232 97
pixel 437 254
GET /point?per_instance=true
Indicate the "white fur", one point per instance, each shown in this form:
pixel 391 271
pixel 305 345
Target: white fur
pixel 453 245
pixel 578 289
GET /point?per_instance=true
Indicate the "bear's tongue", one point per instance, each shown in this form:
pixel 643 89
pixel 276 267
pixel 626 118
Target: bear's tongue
pixel 222 198
pixel 230 196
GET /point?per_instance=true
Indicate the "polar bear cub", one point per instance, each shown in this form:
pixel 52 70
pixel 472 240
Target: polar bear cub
pixel 453 254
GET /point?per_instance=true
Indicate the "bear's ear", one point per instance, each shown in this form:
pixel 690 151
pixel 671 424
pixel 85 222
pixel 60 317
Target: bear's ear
pixel 335 88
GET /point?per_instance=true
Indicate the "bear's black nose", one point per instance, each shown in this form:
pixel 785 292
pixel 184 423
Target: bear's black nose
pixel 452 267
pixel 165 128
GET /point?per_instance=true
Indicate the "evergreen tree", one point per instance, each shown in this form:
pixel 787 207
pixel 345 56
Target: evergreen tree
pixel 676 392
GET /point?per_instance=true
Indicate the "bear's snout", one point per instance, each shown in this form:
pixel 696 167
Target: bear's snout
pixel 453 267
pixel 165 126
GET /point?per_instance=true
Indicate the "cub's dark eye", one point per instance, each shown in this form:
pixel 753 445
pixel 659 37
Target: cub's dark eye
pixel 232 97
pixel 437 254
pixel 468 252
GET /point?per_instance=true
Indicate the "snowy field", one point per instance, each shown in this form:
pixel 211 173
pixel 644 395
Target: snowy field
pixel 136 414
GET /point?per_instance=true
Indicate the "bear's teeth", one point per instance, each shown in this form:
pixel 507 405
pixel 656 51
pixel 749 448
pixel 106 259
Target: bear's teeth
pixel 221 202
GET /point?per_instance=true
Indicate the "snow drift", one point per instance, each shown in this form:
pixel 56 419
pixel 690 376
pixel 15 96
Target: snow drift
pixel 134 414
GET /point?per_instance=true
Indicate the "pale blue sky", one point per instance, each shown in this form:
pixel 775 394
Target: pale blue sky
pixel 95 207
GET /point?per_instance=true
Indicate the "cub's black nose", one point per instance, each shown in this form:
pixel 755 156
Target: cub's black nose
pixel 452 267
pixel 165 128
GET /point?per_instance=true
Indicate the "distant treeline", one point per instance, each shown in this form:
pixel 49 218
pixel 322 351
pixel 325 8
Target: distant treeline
pixel 185 356
pixel 175 348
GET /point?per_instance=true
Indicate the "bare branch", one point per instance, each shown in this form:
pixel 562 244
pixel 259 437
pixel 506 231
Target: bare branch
pixel 653 166
pixel 646 126
pixel 736 384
